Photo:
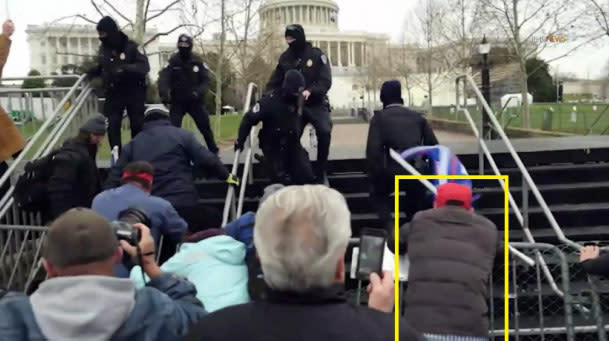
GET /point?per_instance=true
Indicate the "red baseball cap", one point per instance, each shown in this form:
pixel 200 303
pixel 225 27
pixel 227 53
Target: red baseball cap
pixel 454 192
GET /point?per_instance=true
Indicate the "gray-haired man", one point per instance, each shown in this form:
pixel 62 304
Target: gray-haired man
pixel 301 235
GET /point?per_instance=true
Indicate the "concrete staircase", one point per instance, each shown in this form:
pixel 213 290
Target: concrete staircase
pixel 575 184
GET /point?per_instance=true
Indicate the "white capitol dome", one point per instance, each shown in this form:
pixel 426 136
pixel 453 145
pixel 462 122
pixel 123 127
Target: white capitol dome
pixel 315 15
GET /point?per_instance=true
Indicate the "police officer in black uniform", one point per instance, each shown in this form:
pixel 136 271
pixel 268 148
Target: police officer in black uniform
pixel 398 128
pixel 315 67
pixel 123 69
pixel 287 161
pixel 183 84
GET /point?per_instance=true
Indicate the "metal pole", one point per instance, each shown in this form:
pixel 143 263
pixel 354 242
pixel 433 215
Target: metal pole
pixel 540 301
pixel 486 92
pixel 358 299
pixel 525 203
pixel 516 312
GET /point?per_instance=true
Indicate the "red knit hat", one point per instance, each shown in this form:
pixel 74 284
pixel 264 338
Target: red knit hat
pixel 454 192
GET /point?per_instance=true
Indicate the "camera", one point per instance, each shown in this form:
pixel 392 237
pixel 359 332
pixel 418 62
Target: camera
pixel 123 227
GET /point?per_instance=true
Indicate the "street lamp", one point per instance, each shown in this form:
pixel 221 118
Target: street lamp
pixel 484 49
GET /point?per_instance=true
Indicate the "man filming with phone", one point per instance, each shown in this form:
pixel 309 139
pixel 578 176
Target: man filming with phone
pixel 82 300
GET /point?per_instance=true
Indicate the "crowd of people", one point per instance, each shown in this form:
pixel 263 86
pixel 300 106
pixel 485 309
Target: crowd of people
pixel 274 274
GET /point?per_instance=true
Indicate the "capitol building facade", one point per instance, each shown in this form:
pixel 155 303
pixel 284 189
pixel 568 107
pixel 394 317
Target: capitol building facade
pixel 353 55
pixel 358 58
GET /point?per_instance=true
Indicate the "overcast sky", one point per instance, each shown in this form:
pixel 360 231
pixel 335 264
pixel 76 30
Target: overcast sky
pixel 379 16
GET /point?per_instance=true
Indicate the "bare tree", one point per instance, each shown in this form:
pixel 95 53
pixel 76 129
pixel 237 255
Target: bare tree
pixel 599 10
pixel 378 68
pixel 458 29
pixel 430 57
pixel 135 19
pixel 403 64
pixel 529 26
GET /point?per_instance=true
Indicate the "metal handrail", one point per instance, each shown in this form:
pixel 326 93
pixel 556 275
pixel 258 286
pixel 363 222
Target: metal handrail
pixel 396 157
pixel 49 142
pixel 525 173
pixel 15 79
pixel 484 149
pixel 249 159
pixel 229 202
pixel 29 146
pixel 35 90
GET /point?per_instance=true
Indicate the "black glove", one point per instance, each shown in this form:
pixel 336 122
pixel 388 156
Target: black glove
pixel 238 145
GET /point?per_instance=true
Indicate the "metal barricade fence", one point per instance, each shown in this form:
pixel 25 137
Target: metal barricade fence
pixel 536 311
pixel 21 232
pixel 20 256
pixel 30 108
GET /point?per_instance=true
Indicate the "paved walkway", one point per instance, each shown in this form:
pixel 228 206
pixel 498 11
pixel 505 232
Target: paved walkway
pixel 349 140
pixel 355 135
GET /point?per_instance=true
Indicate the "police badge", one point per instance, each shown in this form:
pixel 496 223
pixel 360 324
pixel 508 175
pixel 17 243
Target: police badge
pixel 309 63
pixel 324 59
pixel 122 56
pixel 256 108
pixel 195 69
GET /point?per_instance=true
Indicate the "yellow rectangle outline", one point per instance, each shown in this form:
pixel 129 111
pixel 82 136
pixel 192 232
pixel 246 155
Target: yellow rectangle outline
pixel 506 237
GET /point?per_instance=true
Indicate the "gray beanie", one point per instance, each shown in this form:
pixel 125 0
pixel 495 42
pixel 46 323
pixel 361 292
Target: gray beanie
pixel 270 190
pixel 156 110
pixel 96 125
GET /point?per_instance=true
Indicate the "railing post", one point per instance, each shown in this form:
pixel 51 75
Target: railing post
pixel 539 299
pixel 598 312
pixel 525 204
pixel 515 297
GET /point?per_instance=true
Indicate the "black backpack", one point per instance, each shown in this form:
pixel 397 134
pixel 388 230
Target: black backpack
pixel 31 190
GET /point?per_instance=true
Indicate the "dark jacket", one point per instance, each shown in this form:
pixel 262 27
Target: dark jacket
pixel 183 80
pixel 176 155
pixel 451 254
pixel 399 128
pixel 75 179
pixel 322 315
pixel 598 266
pixel 123 69
pixel 280 118
pixel 314 66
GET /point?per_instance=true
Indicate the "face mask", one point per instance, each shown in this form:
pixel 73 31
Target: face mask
pixel 185 52
pixel 111 40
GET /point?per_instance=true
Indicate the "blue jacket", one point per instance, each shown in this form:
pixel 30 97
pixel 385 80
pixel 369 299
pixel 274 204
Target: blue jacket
pixel 164 220
pixel 216 266
pixel 242 229
pixel 102 308
pixel 173 152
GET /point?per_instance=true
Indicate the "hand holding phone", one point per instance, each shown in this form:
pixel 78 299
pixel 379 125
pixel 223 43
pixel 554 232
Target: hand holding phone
pixel 371 251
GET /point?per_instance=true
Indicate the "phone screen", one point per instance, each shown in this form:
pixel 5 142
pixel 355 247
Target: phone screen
pixel 370 257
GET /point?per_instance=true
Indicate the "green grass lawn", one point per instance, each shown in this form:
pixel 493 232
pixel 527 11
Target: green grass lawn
pixel 225 130
pixel 566 117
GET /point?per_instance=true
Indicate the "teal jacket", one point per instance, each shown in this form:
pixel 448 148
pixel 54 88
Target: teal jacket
pixel 216 266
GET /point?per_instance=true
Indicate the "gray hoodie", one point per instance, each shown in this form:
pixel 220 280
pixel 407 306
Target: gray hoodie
pixel 83 307
pixel 102 308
